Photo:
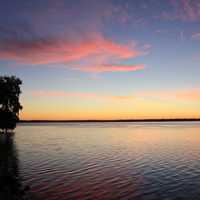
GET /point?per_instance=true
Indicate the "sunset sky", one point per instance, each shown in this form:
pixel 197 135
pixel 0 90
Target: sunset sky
pixel 103 59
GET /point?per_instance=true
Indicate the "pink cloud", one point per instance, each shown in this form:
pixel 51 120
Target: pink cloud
pixel 184 95
pixel 51 51
pixel 186 10
pixel 38 52
pixel 111 68
pixel 72 36
pixel 94 51
pixel 42 93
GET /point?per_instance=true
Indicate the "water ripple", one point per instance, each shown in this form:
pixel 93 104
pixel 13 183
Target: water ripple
pixel 125 161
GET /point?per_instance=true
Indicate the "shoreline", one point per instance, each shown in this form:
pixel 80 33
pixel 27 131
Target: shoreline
pixel 117 120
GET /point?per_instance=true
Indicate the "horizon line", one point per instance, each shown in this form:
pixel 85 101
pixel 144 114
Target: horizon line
pixel 113 120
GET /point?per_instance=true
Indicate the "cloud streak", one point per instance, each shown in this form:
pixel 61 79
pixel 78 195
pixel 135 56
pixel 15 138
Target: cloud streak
pixel 88 95
pixel 183 95
pixel 50 50
pixel 70 34
pixel 90 49
pixel 111 68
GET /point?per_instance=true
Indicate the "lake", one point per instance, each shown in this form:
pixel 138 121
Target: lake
pixel 100 161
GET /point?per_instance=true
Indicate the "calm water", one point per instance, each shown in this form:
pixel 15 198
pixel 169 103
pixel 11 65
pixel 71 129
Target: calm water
pixel 110 160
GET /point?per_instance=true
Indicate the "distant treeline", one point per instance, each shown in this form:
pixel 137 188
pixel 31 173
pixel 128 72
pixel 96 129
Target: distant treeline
pixel 117 120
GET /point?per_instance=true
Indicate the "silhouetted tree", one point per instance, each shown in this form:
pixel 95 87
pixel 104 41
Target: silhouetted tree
pixel 9 102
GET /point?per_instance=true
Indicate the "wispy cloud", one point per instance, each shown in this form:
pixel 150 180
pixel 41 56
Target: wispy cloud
pixel 71 34
pixel 196 36
pixel 185 10
pixel 183 95
pixel 44 51
pixel 94 50
pixel 87 95
pixel 180 95
pixel 111 68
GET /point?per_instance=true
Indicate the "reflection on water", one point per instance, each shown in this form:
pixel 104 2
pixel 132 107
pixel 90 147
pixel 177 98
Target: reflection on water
pixel 11 187
pixel 9 176
pixel 110 161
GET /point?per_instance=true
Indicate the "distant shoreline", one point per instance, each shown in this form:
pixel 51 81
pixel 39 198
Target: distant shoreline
pixel 117 120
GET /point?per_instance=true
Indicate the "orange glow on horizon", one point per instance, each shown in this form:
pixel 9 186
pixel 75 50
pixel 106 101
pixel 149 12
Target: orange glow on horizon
pixel 101 109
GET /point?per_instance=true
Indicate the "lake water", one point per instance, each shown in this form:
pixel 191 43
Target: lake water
pixel 103 161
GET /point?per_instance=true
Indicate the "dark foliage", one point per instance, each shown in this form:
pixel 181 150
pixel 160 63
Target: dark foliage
pixel 9 102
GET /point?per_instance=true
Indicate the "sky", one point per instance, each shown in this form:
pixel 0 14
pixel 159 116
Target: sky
pixel 108 59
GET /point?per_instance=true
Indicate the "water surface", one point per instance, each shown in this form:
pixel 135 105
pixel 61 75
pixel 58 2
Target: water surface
pixel 140 161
